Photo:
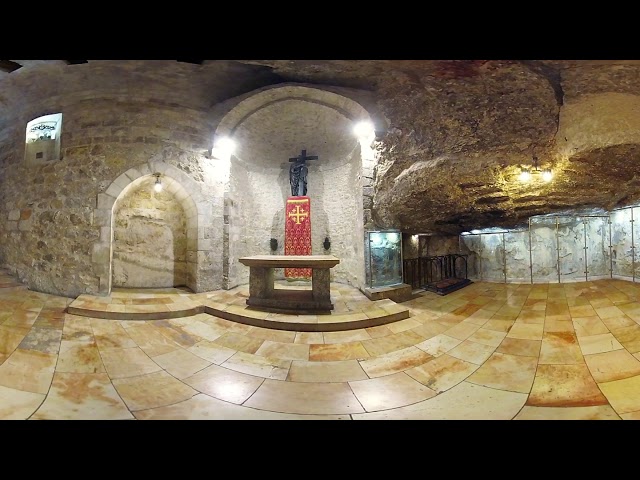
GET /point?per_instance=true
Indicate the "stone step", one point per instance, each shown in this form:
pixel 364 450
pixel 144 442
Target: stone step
pixel 234 308
pixel 373 317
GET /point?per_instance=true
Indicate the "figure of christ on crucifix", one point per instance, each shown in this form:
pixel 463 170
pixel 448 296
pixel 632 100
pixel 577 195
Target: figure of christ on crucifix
pixel 298 173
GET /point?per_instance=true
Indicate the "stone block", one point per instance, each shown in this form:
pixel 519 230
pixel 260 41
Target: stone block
pixel 14 214
pixel 105 202
pixel 102 217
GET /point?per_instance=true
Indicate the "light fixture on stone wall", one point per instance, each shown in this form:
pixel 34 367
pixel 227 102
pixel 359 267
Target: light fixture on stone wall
pixel 526 173
pixel 327 243
pixel 158 185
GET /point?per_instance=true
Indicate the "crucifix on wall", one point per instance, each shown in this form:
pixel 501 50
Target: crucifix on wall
pixel 297 231
pixel 298 173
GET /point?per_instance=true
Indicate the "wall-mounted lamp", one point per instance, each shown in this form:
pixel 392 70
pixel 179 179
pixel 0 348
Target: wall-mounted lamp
pixel 327 243
pixel 527 173
pixel 274 244
pixel 158 185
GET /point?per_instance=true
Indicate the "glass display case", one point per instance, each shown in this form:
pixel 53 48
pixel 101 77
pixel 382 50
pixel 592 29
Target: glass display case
pixel 383 258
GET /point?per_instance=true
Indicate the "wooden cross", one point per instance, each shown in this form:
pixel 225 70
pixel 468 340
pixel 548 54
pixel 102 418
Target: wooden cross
pixel 302 158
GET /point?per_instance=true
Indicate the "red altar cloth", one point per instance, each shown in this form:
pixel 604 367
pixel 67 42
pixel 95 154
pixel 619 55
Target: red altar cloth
pixel 297 234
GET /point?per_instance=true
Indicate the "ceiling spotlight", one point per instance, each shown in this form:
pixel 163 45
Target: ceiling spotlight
pixel 364 129
pixel 158 185
pixel 226 145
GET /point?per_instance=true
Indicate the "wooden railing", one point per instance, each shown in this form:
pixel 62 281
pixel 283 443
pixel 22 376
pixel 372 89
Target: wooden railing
pixel 421 271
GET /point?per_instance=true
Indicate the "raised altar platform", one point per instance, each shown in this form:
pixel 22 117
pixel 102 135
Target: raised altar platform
pixel 263 295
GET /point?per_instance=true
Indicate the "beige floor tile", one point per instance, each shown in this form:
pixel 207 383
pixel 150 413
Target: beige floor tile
pixel 10 338
pixel 225 384
pixel 305 398
pixel 341 371
pixel 152 390
pixel 394 362
pixel 77 328
pixel 239 342
pixel 380 331
pixel 181 363
pixel 391 343
pixel 465 401
pixel 582 311
pixel 564 386
pixel 517 346
pixel 337 351
pixel 429 329
pixel 499 324
pixel 506 372
pixel 203 330
pixel 613 365
pixel 82 396
pixel 629 337
pixel 18 404
pixel 609 312
pixel 531 316
pixel 392 391
pixel 588 326
pixel 442 373
pixel 554 310
pixel 403 325
pixel 602 412
pixel 462 331
pixel 77 356
pixel 28 370
pixel 560 348
pixel 631 415
pixel 552 325
pixel 204 407
pixel 309 337
pixel 438 345
pixel 283 336
pixel 284 351
pixel 346 336
pixel 211 351
pixel 487 337
pixel 127 362
pixel 472 352
pixel 614 323
pixel 150 340
pixel 259 365
pixel 21 318
pixel 176 333
pixel 604 342
pixel 526 331
pixel 623 395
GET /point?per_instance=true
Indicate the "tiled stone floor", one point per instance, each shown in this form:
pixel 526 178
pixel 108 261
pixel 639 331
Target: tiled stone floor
pixel 488 351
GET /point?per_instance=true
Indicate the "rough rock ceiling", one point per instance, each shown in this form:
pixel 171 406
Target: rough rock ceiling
pixel 457 130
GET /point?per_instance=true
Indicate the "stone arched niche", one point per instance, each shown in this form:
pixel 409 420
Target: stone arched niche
pixel 198 219
pixel 149 237
pixel 272 126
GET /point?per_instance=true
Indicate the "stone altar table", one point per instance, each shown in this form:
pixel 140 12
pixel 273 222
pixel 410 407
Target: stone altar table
pixel 263 295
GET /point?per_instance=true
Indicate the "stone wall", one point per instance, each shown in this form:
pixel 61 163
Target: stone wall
pixel 52 216
pixel 149 239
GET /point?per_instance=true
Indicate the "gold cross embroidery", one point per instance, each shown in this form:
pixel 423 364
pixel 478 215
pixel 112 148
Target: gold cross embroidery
pixel 297 214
